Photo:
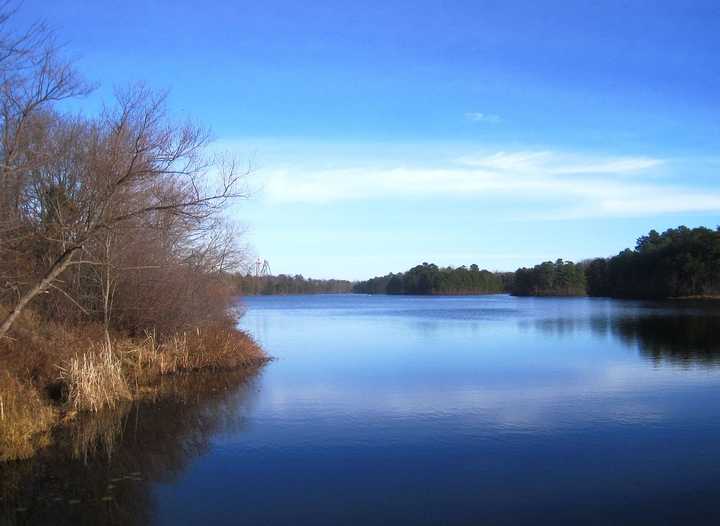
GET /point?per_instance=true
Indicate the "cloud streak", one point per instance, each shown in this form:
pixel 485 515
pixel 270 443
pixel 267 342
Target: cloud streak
pixel 550 163
pixel 573 185
pixel 476 116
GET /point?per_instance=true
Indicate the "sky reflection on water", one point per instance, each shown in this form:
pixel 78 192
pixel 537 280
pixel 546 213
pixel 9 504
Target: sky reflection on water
pixel 466 409
pixel 441 410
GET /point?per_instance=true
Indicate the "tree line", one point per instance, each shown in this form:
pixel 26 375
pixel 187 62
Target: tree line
pixel 680 262
pixel 283 284
pixel 428 279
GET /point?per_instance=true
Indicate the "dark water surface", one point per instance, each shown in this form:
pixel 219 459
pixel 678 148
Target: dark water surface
pixel 416 410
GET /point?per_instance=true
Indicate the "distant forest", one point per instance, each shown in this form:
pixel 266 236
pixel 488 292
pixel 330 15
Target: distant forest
pixel 561 278
pixel 249 285
pixel 431 279
pixel 680 262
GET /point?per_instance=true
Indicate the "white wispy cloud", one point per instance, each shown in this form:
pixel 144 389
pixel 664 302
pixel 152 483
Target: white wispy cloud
pixel 577 185
pixel 476 116
pixel 547 162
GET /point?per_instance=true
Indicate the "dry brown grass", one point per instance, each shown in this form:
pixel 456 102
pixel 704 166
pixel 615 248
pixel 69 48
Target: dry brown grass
pixel 37 346
pixel 25 419
pixel 94 380
pixel 213 347
pixel 51 371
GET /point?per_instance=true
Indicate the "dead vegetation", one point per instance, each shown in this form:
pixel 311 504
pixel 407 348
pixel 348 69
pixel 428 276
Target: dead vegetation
pixel 115 250
pixel 94 380
pixel 53 373
pixel 25 418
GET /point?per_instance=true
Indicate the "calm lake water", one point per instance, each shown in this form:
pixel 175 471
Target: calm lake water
pixel 417 410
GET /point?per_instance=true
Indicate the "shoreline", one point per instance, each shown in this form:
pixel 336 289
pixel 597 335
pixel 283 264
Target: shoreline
pixel 54 376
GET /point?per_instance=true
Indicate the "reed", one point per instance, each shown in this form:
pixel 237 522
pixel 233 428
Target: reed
pixel 212 347
pixel 95 380
pixel 25 419
pixel 51 372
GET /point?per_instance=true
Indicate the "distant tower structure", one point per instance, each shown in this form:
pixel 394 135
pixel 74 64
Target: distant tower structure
pixel 262 267
pixel 260 270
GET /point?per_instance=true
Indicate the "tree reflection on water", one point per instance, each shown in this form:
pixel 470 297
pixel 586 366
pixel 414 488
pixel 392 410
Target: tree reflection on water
pixel 679 339
pixel 684 334
pixel 101 466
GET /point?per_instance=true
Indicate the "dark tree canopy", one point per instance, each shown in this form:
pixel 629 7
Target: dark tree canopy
pixel 430 279
pixel 283 284
pixel 562 278
pixel 679 262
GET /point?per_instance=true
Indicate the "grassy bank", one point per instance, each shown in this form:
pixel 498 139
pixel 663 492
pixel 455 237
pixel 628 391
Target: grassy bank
pixel 116 246
pixel 53 372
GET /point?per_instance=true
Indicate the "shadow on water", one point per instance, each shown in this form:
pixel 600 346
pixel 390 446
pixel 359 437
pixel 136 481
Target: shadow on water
pixel 680 334
pixel 102 466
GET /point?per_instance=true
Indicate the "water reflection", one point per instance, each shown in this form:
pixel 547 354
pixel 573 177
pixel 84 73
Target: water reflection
pixel 559 326
pixel 683 339
pixel 102 467
pixel 681 335
pixel 450 411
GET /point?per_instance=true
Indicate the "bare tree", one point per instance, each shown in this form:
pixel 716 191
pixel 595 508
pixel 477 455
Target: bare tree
pixel 32 78
pixel 133 166
pixel 126 192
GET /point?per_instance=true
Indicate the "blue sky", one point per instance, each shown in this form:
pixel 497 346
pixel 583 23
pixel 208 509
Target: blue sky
pixel 385 134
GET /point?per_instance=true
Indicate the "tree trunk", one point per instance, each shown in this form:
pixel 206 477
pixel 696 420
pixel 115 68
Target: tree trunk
pixel 106 286
pixel 57 268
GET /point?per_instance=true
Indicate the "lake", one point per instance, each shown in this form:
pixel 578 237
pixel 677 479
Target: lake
pixel 415 410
